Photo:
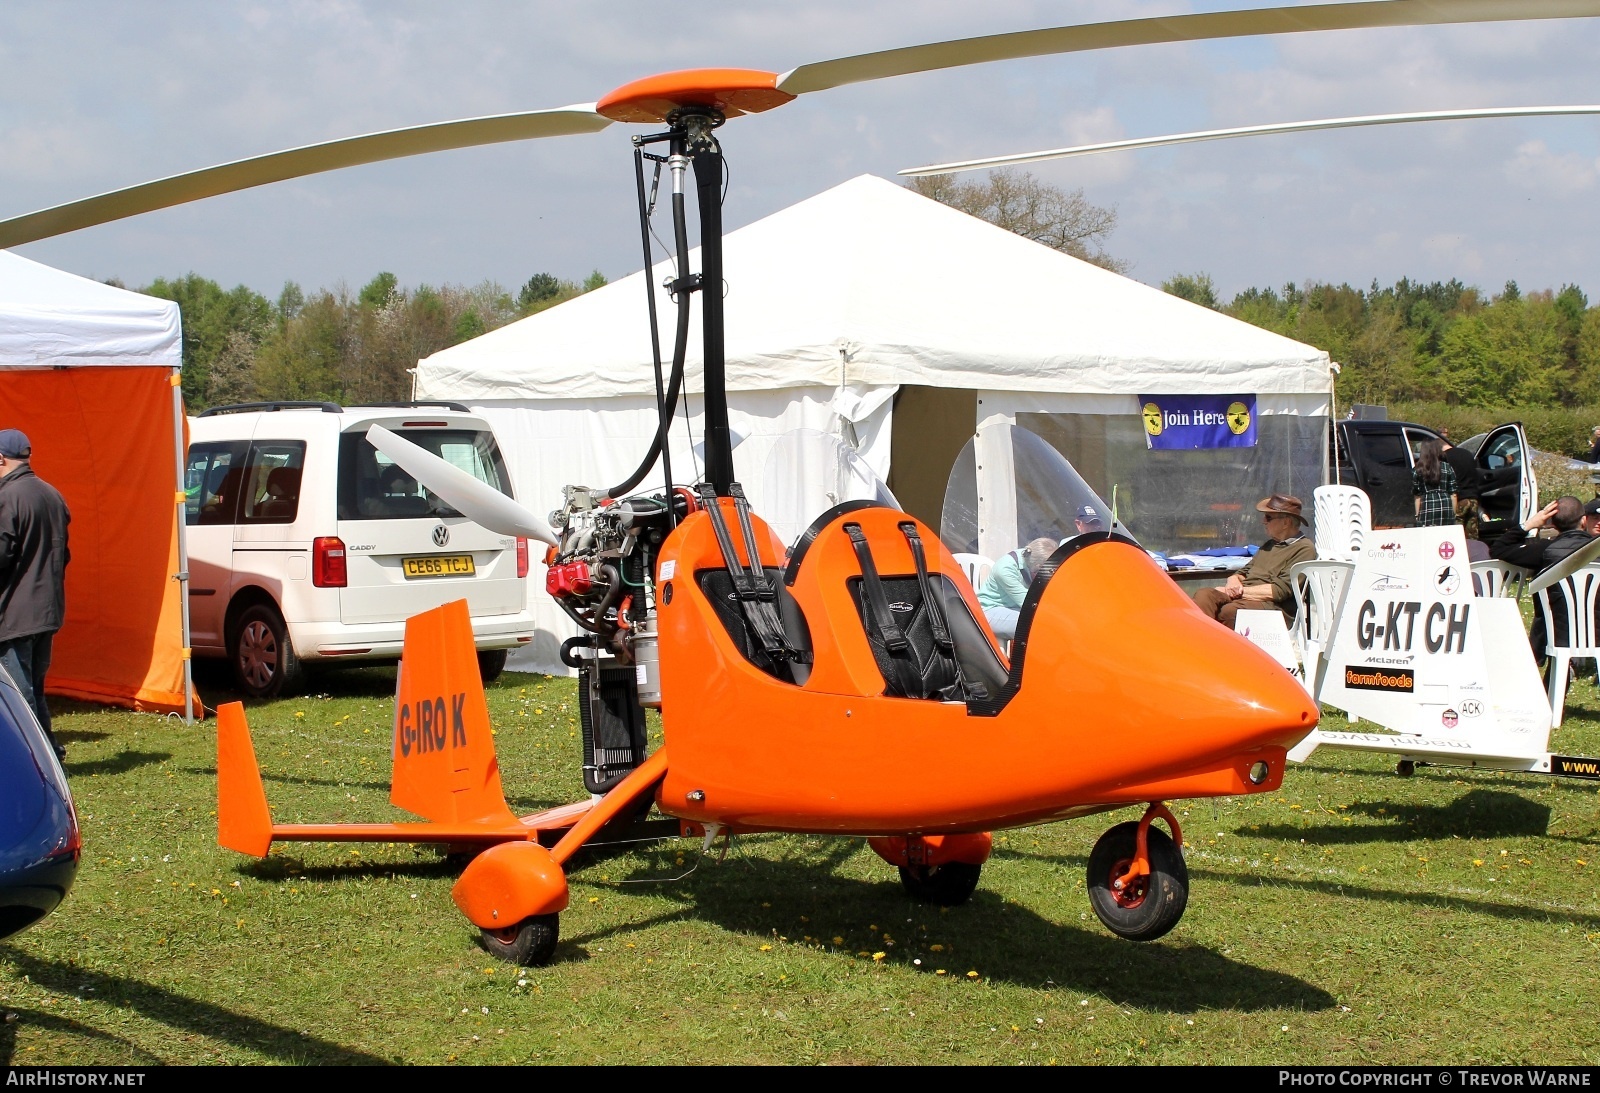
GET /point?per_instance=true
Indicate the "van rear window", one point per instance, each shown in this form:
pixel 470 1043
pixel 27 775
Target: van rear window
pixel 373 488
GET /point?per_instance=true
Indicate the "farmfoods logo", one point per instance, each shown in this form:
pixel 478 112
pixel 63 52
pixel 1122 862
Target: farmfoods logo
pixel 1379 679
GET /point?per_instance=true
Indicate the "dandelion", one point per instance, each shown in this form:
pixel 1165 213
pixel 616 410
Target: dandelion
pixel 838 940
pixel 972 975
pixel 879 955
pixel 939 971
pixel 766 948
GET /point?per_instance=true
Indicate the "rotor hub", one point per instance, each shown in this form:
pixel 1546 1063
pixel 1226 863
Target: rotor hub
pixel 727 91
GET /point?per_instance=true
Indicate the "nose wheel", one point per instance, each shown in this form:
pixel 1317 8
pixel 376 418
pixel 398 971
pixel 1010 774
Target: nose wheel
pixel 1138 883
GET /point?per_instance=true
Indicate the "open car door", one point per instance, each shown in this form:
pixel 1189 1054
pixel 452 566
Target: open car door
pixel 1509 493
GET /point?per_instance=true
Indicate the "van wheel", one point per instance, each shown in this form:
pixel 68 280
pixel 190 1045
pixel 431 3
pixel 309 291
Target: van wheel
pixel 491 662
pixel 264 664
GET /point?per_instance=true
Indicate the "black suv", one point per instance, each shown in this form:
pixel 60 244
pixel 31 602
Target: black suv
pixel 1378 456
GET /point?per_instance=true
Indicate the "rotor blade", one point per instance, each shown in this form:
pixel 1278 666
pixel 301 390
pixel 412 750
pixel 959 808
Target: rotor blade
pixel 1246 131
pixel 298 162
pixel 1179 28
pixel 476 500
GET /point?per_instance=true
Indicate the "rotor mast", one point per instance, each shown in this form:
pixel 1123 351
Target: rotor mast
pixel 693 104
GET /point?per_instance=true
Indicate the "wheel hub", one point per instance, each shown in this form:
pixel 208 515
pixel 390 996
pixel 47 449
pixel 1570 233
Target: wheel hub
pixel 1129 893
pixel 258 654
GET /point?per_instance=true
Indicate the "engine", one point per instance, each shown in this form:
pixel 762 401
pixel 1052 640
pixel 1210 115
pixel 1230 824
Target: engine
pixel 602 575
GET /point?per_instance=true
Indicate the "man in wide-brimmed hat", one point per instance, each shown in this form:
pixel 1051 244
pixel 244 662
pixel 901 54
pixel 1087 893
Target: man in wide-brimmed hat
pixel 1264 583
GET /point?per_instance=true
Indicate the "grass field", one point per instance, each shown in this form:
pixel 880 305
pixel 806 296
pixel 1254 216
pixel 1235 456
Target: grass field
pixel 1353 916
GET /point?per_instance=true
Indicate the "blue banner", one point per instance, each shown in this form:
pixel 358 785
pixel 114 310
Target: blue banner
pixel 1186 422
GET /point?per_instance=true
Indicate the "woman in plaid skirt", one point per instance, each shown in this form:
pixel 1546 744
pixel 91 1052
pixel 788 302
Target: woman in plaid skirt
pixel 1433 485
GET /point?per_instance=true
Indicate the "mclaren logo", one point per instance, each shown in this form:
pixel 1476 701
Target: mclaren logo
pixel 441 535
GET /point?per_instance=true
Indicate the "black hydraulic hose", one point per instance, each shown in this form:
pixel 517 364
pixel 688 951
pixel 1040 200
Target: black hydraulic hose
pixel 680 344
pixel 655 333
pixel 708 166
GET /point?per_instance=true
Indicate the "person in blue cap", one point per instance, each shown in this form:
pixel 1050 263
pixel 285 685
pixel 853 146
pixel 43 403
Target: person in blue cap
pixel 33 563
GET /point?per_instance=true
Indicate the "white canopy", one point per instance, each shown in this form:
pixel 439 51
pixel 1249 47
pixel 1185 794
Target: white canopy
pixel 871 284
pixel 52 318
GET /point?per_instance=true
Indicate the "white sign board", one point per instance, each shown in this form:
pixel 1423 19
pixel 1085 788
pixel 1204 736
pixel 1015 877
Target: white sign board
pixel 1266 631
pixel 1416 652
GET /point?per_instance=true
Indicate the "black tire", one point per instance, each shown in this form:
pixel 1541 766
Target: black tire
pixel 1405 768
pixel 491 662
pixel 1154 906
pixel 530 943
pixel 261 655
pixel 947 885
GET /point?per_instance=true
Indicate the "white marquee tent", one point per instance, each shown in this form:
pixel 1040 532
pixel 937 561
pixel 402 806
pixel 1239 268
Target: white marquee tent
pixel 873 313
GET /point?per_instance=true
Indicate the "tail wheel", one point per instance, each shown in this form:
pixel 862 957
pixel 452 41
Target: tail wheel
pixel 946 885
pixel 530 943
pixel 1147 907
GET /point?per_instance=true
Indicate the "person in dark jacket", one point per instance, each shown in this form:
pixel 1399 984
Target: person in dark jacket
pixel 1594 444
pixel 33 562
pixel 1576 525
pixel 1465 464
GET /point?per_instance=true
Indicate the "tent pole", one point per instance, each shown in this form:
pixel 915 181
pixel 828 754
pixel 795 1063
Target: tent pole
pixel 182 576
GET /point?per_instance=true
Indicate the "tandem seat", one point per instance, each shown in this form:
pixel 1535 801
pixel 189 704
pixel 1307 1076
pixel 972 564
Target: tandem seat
pixel 922 633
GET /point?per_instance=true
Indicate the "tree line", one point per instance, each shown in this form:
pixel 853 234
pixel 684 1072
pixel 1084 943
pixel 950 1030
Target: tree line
pixel 335 345
pixel 1441 341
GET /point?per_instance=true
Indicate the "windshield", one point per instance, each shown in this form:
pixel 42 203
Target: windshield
pixel 1009 487
pixel 372 487
pixel 808 472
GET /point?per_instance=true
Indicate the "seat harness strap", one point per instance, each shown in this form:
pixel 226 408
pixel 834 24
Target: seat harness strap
pixel 880 618
pixel 757 599
pixel 935 607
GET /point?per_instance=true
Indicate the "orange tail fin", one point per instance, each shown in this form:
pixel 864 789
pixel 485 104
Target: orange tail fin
pixel 445 768
pixel 243 822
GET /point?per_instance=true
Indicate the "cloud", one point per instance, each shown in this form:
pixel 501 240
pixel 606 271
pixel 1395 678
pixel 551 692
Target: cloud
pixel 1537 168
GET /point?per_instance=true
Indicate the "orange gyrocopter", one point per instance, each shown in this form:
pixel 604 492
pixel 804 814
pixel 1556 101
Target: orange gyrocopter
pixel 846 683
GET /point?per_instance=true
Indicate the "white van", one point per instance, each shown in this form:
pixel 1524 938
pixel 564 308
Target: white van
pixel 307 545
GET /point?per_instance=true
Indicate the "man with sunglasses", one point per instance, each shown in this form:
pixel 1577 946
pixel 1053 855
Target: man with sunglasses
pixel 1264 583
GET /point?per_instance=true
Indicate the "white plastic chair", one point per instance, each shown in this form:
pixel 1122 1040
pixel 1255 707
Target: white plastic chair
pixel 1578 635
pixel 1318 587
pixel 1496 578
pixel 975 566
pixel 1343 521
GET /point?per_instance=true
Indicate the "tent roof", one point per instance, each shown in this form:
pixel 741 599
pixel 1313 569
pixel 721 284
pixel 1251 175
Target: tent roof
pixel 49 317
pixel 870 283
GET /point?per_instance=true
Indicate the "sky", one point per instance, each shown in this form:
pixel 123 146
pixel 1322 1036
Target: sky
pixel 98 95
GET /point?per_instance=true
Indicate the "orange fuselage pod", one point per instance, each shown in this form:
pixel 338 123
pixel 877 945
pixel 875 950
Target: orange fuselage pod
pixel 1119 691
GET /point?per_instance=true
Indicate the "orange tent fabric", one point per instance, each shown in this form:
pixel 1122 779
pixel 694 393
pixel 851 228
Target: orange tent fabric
pixel 103 437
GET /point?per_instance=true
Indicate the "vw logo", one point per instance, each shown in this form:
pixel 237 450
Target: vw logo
pixel 441 535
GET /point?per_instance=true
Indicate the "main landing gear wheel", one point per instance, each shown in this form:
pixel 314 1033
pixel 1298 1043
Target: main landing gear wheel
pixel 945 885
pixel 1144 908
pixel 531 942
